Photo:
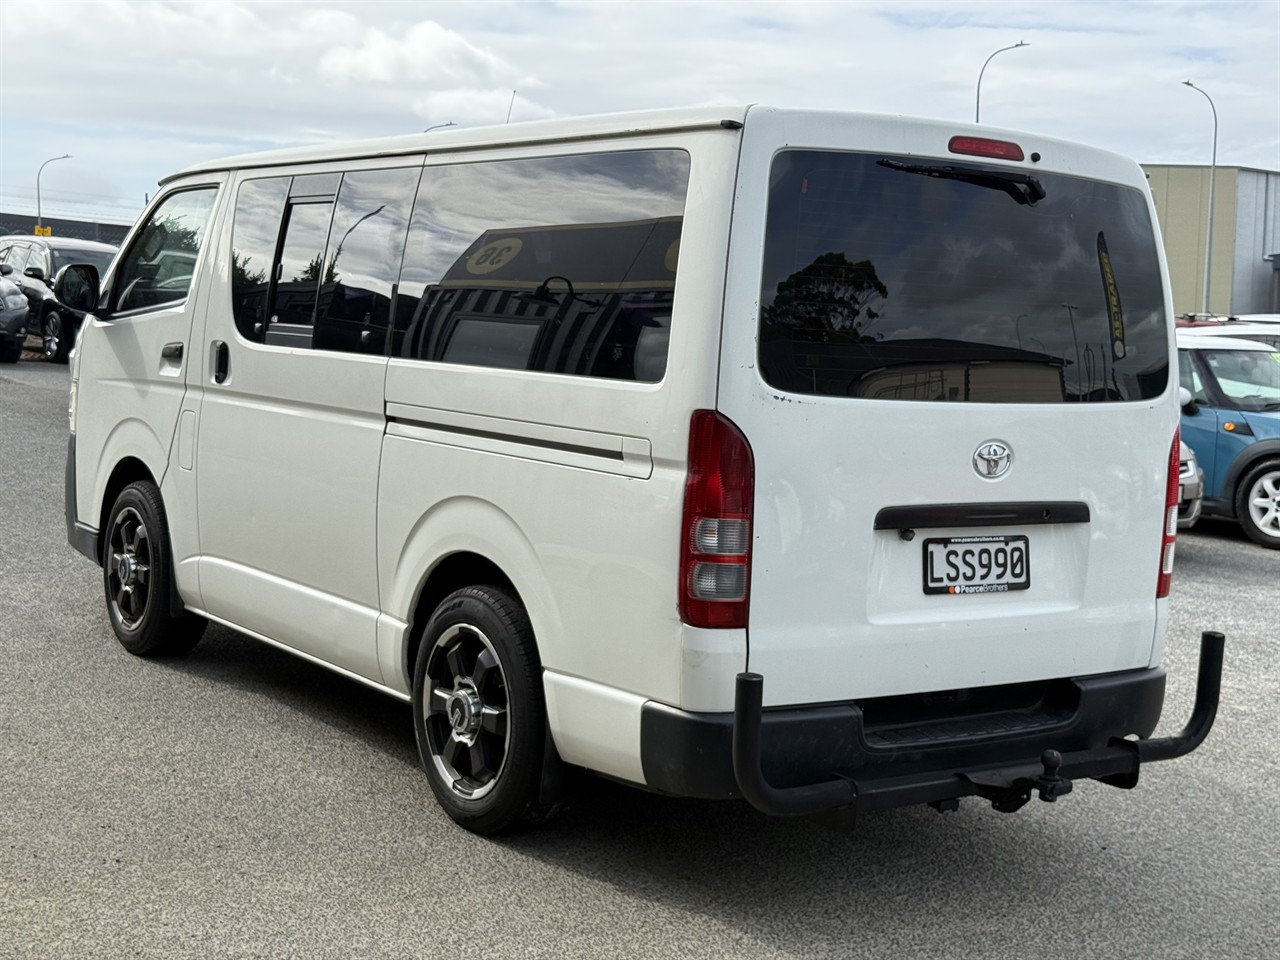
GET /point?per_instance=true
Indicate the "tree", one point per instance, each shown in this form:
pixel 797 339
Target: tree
pixel 830 299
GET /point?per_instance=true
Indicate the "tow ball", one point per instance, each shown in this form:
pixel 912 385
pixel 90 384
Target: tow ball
pixel 1007 796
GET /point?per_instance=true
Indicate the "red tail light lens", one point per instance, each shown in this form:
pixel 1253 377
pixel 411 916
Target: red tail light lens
pixel 982 147
pixel 715 552
pixel 1170 533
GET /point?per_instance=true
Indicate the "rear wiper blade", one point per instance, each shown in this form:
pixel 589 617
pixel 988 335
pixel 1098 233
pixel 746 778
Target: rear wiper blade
pixel 1023 187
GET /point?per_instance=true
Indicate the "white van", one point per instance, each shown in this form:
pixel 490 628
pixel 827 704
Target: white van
pixel 822 459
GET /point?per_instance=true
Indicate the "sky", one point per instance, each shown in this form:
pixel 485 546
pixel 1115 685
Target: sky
pixel 135 90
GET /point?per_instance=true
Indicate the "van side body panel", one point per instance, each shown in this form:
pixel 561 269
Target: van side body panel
pixel 573 486
pixel 289 448
pixel 137 392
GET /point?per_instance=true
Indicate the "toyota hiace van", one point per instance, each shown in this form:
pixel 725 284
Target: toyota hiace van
pixel 820 459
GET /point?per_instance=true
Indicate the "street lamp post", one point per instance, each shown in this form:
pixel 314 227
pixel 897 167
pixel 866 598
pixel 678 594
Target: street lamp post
pixel 977 102
pixel 1213 176
pixel 39 218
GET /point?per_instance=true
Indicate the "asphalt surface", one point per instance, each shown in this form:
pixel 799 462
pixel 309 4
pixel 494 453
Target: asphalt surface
pixel 242 803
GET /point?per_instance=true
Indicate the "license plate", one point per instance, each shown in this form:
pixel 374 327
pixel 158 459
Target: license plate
pixel 988 564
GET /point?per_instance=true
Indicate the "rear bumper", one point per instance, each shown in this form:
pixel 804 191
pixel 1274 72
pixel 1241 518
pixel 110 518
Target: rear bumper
pixel 827 758
pixel 13 325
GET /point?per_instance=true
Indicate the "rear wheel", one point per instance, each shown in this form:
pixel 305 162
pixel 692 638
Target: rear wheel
pixel 478 710
pixel 56 335
pixel 136 573
pixel 1258 504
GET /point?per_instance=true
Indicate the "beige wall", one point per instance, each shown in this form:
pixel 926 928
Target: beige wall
pixel 1182 204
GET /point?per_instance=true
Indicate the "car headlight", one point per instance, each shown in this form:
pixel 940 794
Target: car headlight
pixel 15 301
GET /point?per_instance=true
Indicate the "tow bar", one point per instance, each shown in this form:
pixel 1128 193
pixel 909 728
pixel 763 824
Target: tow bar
pixel 1007 787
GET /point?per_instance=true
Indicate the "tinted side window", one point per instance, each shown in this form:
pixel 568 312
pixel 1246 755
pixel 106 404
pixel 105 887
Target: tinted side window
pixel 255 233
pixel 560 264
pixel 298 272
pixel 158 267
pixel 366 245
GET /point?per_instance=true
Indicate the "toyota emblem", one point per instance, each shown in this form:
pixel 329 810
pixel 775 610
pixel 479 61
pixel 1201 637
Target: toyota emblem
pixel 992 460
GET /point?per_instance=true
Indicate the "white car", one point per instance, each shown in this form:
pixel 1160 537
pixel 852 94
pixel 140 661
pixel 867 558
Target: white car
pixel 797 456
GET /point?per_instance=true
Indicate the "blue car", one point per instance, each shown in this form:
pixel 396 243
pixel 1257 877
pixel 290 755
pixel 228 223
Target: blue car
pixel 1231 419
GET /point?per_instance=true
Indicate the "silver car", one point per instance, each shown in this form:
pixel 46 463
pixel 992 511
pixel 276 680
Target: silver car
pixel 1190 488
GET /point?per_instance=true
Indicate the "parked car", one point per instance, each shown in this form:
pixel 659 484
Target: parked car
pixel 1268 333
pixel 13 317
pixel 36 261
pixel 1190 488
pixel 1231 419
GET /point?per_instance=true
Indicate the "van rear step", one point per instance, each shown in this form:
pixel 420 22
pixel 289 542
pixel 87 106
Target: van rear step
pixel 1008 786
pixel 969 728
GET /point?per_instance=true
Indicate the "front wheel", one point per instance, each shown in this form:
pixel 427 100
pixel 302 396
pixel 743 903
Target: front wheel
pixel 137 576
pixel 478 710
pixel 56 336
pixel 1258 504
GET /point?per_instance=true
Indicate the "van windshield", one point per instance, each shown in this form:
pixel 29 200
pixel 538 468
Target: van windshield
pixel 893 278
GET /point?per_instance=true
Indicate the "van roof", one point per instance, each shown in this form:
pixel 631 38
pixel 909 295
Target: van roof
pixel 599 127
pixel 449 139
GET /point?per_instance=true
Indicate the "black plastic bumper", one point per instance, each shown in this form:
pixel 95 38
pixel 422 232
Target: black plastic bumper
pixel 798 761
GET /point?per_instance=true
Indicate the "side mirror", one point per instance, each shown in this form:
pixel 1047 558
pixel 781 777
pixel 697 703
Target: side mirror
pixel 5 269
pixel 35 273
pixel 1188 405
pixel 77 286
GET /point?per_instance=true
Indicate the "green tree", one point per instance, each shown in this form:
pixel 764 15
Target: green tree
pixel 830 299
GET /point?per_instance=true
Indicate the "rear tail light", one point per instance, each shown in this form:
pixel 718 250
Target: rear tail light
pixel 1170 533
pixel 715 553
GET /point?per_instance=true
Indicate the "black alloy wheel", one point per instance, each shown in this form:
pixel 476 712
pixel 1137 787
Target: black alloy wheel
pixel 479 713
pixel 136 574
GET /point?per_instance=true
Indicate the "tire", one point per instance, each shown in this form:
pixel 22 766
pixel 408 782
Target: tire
pixel 1258 504
pixel 10 352
pixel 137 576
pixel 478 710
pixel 56 337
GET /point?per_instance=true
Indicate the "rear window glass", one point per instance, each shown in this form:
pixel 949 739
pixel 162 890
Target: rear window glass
pixel 903 278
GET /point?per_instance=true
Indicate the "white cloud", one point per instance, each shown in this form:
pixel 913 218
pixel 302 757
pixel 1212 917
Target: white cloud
pixel 197 80
pixel 426 52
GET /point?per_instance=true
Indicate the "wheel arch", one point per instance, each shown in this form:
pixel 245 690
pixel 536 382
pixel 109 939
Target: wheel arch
pixel 1246 460
pixel 452 572
pixel 128 470
pixel 462 541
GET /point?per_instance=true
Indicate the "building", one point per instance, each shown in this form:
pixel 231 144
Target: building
pixel 1245 276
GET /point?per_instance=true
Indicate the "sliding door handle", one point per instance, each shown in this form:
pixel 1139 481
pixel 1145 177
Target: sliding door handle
pixel 221 362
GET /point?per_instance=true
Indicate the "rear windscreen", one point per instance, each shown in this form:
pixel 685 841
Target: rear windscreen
pixel 902 278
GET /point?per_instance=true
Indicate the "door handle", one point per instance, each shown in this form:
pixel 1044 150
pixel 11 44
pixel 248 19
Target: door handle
pixel 171 351
pixel 221 362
